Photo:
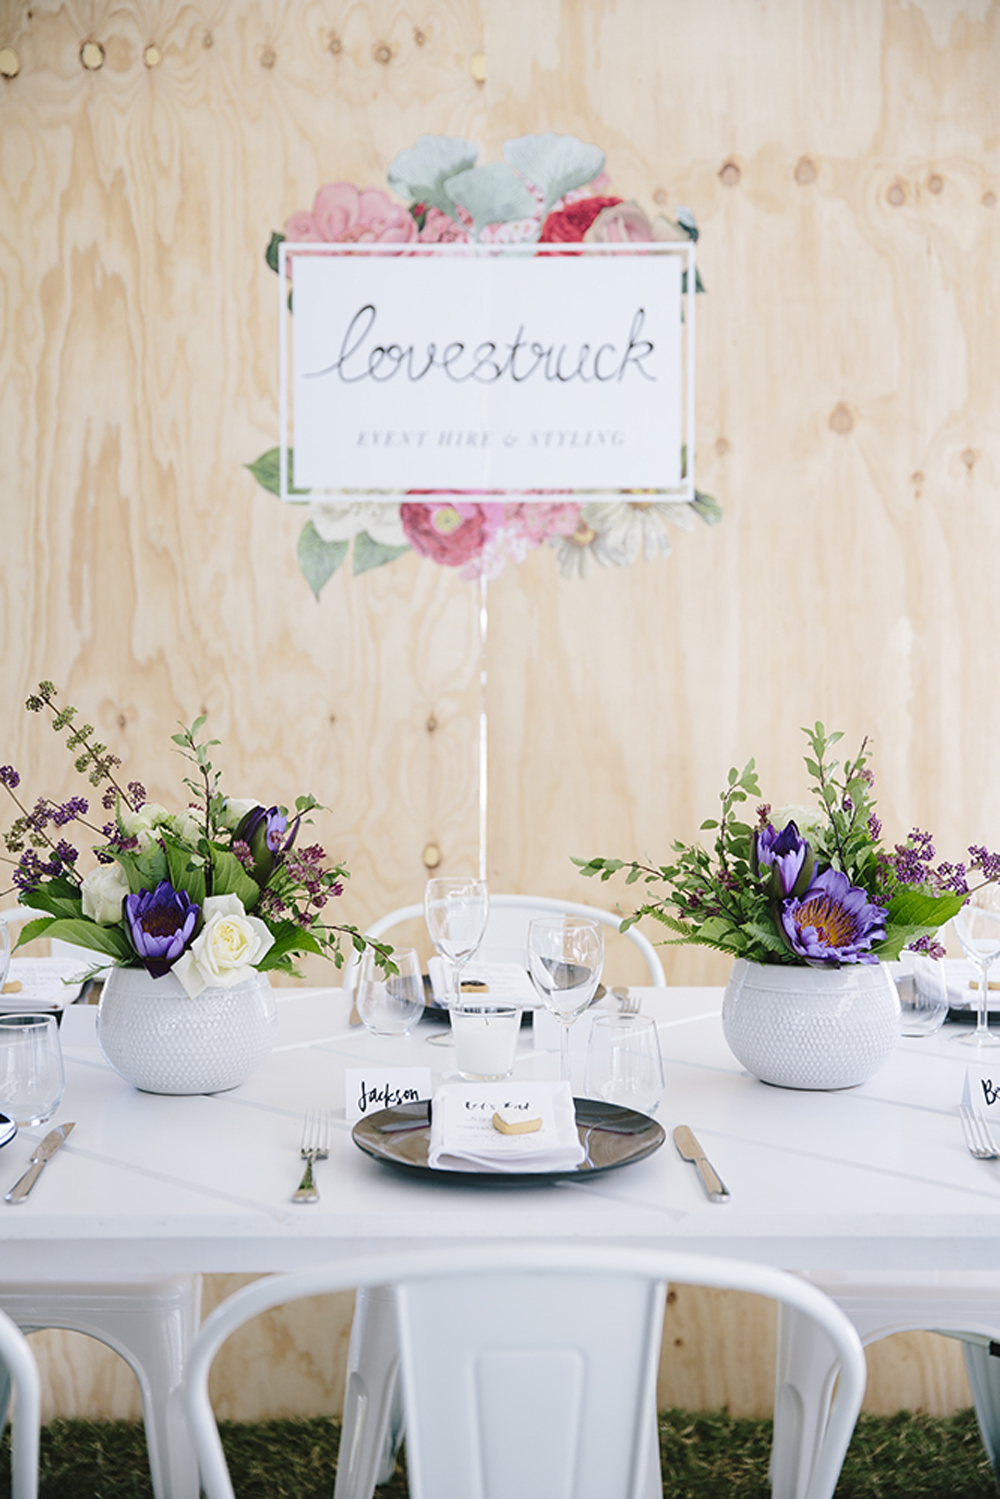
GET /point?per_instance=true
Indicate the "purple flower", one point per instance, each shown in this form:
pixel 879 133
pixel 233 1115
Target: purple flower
pixel 833 923
pixel 9 777
pixel 265 832
pixel 161 923
pixel 789 858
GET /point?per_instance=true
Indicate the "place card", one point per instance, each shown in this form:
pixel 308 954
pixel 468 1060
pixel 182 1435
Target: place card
pixel 369 1089
pixel 538 1127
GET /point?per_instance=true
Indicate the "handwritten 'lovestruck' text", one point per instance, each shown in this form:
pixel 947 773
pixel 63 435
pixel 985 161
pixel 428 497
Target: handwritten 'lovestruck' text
pixel 521 360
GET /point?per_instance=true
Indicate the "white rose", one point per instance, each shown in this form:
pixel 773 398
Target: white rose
pixel 226 948
pixel 338 522
pixel 103 891
pixel 185 826
pixel 234 809
pixel 808 820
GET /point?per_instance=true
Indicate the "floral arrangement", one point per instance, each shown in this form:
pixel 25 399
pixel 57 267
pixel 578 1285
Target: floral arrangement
pixel 806 886
pixel 551 189
pixel 208 894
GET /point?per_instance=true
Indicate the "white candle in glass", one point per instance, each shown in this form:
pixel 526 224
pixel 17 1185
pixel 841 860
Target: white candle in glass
pixel 485 1040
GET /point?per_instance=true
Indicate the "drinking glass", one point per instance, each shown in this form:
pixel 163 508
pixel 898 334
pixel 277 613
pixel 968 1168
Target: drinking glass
pixel 977 927
pixel 390 1004
pixel 456 909
pixel 31 1068
pixel 923 994
pixel 624 1065
pixel 4 952
pixel 565 958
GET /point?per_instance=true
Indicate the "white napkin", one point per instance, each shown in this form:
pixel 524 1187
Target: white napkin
pixel 506 983
pixel 45 983
pixel 463 1137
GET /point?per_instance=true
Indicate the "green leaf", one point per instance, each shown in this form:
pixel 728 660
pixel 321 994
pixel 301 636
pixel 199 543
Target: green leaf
pixel 43 899
pixel 271 253
pixel 289 938
pixel 319 559
pixel 33 929
pixel 912 909
pixel 369 553
pixel 267 470
pixel 183 873
pixel 143 871
pixel 230 878
pixel 107 939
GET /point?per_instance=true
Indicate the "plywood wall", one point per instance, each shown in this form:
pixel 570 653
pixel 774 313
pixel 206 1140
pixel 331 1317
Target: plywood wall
pixel 842 159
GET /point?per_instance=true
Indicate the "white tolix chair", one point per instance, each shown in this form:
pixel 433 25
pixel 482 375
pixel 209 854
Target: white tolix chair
pixel 956 1303
pixel 529 1370
pixel 506 937
pixel 19 1372
pixel 150 1320
pixel 373 1412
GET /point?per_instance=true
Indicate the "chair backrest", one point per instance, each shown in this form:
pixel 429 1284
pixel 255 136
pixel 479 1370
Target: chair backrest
pixel 18 1369
pixel 529 1370
pixel 507 930
pixel 14 915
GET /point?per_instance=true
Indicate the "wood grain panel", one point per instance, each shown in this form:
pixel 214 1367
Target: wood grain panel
pixel 842 159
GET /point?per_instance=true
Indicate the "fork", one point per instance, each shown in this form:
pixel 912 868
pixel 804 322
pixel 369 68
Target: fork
pixel 315 1147
pixel 978 1135
pixel 628 1003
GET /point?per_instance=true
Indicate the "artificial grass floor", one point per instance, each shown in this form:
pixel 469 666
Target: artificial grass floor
pixel 705 1456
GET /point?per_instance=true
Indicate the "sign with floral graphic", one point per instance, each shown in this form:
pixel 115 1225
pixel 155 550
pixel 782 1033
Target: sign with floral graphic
pixel 549 197
pixel 488 369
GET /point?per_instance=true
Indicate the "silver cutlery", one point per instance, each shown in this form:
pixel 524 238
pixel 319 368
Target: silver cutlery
pixel 42 1154
pixel 978 1135
pixel 315 1147
pixel 691 1151
pixel 628 1003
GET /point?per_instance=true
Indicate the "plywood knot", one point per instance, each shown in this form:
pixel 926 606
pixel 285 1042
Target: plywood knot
pixel 722 446
pixel 419 37
pixel 729 174
pixel 334 45
pixel 896 194
pixel 969 458
pixel 841 420
pixel 382 53
pixel 989 200
pixel 935 183
pixel 10 63
pixel 92 56
pixel 805 171
pixel 268 57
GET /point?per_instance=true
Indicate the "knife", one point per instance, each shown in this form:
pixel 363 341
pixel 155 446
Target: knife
pixel 691 1151
pixel 43 1152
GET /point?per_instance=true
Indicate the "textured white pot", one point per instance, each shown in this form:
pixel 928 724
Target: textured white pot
pixel 163 1042
pixel 811 1027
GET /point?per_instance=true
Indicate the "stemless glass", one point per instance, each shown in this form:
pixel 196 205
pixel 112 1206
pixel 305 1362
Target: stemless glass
pixel 624 1064
pixel 31 1068
pixel 565 958
pixel 390 1004
pixel 923 994
pixel 977 927
pixel 456 909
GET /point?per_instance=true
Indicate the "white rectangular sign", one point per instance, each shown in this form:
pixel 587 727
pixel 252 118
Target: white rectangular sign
pixel 474 369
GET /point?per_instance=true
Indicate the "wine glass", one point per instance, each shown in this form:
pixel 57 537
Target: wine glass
pixel 977 927
pixel 390 1004
pixel 565 958
pixel 456 909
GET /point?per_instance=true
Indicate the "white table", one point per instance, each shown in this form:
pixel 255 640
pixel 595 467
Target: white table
pixel 876 1177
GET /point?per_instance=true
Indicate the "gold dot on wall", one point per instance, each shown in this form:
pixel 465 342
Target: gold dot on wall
pixel 477 66
pixel 805 172
pixel 935 183
pixel 431 856
pixel 896 195
pixel 841 421
pixel 92 56
pixel 989 200
pixel 729 174
pixel 10 63
pixel 152 57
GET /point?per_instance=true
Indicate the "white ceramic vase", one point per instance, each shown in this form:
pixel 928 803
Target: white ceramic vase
pixel 811 1027
pixel 163 1042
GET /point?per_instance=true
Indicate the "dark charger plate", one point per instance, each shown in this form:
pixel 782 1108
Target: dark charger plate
pixel 610 1135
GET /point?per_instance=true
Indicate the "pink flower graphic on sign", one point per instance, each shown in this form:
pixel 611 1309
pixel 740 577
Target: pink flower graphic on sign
pixel 440 229
pixel 452 534
pixel 344 214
